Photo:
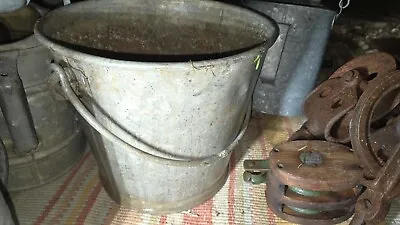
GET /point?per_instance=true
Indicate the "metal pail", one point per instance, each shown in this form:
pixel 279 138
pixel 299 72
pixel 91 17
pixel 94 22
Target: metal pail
pixel 5 214
pixel 12 5
pixel 167 84
pixel 53 122
pixel 295 58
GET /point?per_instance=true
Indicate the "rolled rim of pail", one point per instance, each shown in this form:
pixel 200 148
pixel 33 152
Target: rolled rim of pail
pixel 254 32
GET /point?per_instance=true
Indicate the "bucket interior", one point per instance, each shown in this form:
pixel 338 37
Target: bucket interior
pixel 162 30
pixel 17 25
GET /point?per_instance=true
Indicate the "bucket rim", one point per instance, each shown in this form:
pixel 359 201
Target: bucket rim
pixel 67 52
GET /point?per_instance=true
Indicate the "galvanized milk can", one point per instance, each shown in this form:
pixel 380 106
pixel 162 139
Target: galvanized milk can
pixel 11 5
pixel 39 128
pixel 167 84
pixel 5 214
pixel 295 58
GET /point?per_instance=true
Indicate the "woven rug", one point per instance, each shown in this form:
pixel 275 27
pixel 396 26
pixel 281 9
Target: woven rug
pixel 78 197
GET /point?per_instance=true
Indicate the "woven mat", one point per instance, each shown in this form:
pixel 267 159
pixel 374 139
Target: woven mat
pixel 78 197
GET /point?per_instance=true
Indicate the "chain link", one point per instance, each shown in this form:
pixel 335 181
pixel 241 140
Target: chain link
pixel 341 7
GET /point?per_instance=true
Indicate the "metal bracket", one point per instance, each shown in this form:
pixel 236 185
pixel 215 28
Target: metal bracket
pixel 255 171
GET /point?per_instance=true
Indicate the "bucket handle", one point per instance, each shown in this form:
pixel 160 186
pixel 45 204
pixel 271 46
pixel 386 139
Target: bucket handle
pixel 165 158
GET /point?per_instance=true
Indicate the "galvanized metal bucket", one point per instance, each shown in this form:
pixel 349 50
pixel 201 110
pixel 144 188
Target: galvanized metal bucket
pixel 293 62
pixel 40 129
pixel 12 5
pixel 5 214
pixel 167 84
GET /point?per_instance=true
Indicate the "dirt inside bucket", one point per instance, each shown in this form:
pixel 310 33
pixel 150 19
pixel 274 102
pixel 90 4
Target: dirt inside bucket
pixel 154 36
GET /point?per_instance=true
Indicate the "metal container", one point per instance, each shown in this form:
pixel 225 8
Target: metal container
pixel 5 214
pixel 44 139
pixel 293 62
pixel 167 83
pixel 12 5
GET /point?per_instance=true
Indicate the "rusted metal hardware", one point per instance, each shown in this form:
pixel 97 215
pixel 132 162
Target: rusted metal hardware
pixel 309 182
pixel 316 177
pixel 373 205
pixel 377 148
pixel 384 140
pixel 330 107
pixel 376 98
pixel 313 182
pixel 370 65
pixel 255 171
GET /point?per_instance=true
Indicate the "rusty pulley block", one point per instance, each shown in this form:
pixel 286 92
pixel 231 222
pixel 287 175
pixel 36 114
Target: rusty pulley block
pixel 330 107
pixel 299 187
pixel 348 159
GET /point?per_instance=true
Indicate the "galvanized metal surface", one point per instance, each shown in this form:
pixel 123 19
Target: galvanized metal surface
pixel 12 5
pixel 176 103
pixel 299 2
pixel 56 122
pixel 291 66
pixel 15 108
pixel 153 154
pixel 5 215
